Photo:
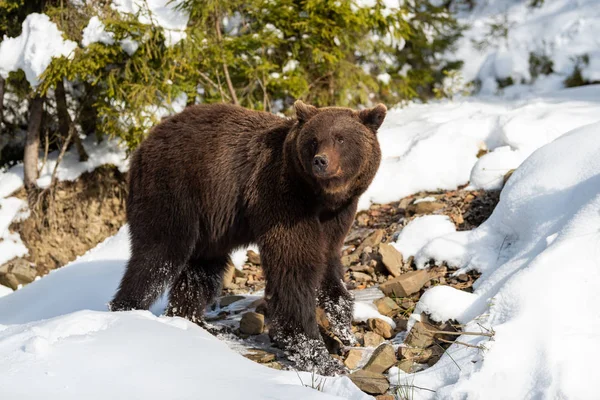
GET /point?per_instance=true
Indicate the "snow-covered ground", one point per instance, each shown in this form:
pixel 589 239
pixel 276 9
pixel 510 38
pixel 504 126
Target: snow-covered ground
pixel 57 333
pixel 434 146
pixel 504 34
pixel 540 262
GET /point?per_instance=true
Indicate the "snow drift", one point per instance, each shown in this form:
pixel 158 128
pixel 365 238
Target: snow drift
pixel 58 334
pixel 540 263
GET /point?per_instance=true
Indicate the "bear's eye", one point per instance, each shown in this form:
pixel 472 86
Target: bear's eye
pixel 339 139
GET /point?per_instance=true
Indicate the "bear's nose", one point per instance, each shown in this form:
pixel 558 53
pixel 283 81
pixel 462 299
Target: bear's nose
pixel 320 163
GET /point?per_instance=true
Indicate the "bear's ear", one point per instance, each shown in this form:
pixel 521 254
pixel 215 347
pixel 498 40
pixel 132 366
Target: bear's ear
pixel 304 112
pixel 372 118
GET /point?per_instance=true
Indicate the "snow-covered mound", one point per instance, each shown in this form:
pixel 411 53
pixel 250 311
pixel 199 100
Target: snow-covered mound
pixel 538 293
pixel 434 146
pixel 509 38
pixel 57 334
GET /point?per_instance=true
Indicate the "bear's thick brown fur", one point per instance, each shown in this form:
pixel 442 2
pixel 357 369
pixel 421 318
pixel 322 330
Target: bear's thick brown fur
pixel 217 177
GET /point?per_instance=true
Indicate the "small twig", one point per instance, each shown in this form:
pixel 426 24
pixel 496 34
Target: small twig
pixel 460 333
pixel 211 82
pixel 46 149
pixel 418 387
pixel 461 343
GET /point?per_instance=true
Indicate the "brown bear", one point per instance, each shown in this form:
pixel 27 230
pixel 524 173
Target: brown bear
pixel 216 177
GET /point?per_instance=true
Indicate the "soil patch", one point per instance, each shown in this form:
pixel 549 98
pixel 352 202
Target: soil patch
pixel 84 213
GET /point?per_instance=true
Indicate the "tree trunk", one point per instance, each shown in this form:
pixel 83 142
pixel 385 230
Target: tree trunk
pixel 225 67
pixel 32 144
pixel 64 120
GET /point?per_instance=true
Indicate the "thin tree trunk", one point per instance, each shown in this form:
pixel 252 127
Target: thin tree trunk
pixel 32 144
pixel 225 67
pixel 64 120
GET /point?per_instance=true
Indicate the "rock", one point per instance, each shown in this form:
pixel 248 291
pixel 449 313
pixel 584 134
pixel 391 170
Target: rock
pixel 405 284
pixel 253 257
pixel 463 278
pixel 420 335
pixel 252 323
pixel 356 234
pixel 387 306
pixel 370 382
pixel 17 272
pixel 415 354
pixel 372 339
pixel 274 365
pixel 353 358
pixel 382 359
pixel 401 324
pixel 350 259
pixel 362 268
pixel 322 318
pixel 424 207
pixel 380 327
pixel 385 397
pixel 407 366
pixel 391 258
pixel 407 304
pixel 372 240
pixel 361 277
pixel 260 356
pixel 228 300
pixel 240 281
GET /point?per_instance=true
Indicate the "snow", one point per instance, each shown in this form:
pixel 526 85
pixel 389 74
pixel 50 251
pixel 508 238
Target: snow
pixel 33 50
pixel 11 245
pixel 538 254
pixel 95 32
pixel 430 147
pixel 364 311
pixel 502 35
pixel 421 231
pixel 164 13
pixel 56 325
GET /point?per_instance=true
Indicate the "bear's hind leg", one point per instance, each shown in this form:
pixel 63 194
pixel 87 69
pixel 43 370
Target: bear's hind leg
pixel 146 277
pixel 196 287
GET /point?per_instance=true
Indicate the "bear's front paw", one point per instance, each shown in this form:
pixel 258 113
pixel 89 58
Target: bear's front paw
pixel 311 355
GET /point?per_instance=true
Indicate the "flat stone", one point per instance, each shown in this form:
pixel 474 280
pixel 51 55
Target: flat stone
pixel 361 277
pixel 372 339
pixel 362 268
pixel 382 359
pixel 424 207
pixel 372 240
pixel 252 323
pixel 387 306
pixel 370 382
pixel 353 359
pixel 385 397
pixel 260 356
pixel 253 257
pixel 229 300
pixel 415 354
pixel 380 327
pixel 406 365
pixel 405 284
pixel 391 259
pixel 420 335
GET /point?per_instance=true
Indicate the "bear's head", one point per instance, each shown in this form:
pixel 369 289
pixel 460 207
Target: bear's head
pixel 337 148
